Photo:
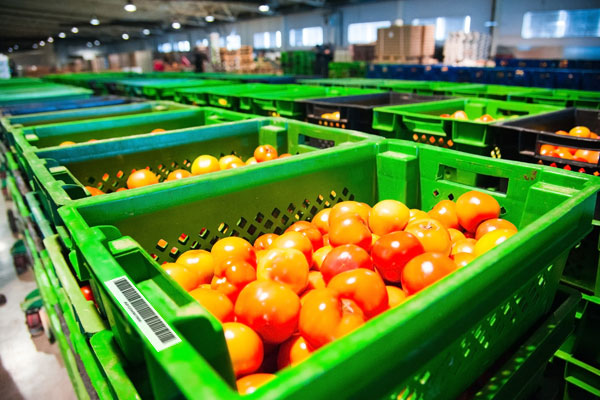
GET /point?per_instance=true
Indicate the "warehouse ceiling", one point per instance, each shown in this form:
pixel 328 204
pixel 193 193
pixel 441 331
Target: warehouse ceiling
pixel 25 22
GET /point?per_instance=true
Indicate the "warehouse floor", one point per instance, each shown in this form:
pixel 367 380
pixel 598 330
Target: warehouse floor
pixel 30 368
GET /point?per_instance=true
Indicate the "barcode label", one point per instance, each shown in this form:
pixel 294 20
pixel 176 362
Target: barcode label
pixel 145 316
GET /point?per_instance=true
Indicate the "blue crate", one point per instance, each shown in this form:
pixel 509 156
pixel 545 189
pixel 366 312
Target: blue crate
pixel 543 77
pixel 569 79
pixel 590 80
pixel 60 105
pixel 376 71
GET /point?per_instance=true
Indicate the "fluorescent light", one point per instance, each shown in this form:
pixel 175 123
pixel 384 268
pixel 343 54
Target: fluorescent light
pixel 125 36
pixel 96 42
pixel 89 44
pixel 264 8
pixel 74 29
pixel 94 21
pixel 35 46
pixel 146 31
pixel 176 25
pixel 130 7
pixel 10 50
pixel 209 18
pixel 50 39
pixel 16 47
pixel 42 43
pixel 62 35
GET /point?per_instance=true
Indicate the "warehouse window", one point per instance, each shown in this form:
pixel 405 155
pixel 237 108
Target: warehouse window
pixel 306 37
pixel 165 48
pixel 233 42
pixel 445 25
pixel 365 32
pixel 203 42
pixel 267 40
pixel 182 45
pixel 561 23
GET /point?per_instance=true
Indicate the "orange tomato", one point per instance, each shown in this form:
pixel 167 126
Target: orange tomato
pixel 345 209
pixel 315 280
pixel 185 277
pixel 230 161
pixel 391 252
pixel 270 308
pixel 157 130
pixel 493 224
pixel 344 258
pixel 464 246
pixel 294 240
pixel 416 214
pixel 239 272
pixel 456 235
pixel 200 261
pixel 67 143
pixel 396 296
pixel 594 135
pixel 284 265
pixel 266 152
pixel 140 178
pixel 425 269
pixel 178 174
pixel 251 161
pixel 205 164
pixel 245 348
pixel 121 189
pixel 588 155
pixel 222 285
pixel 215 302
pixel 249 383
pixel 320 316
pixel 362 286
pixel 445 212
pixel 94 191
pixel 388 216
pixel 486 118
pixel 349 230
pixel 321 220
pixel 563 152
pixel 432 234
pixel 459 115
pixel 310 231
pixel 475 207
pixel 492 239
pixel 263 242
pixel 284 155
pixel 292 351
pixel 580 131
pixel 232 247
pixel 561 132
pixel 462 259
pixel 318 257
pixel 547 150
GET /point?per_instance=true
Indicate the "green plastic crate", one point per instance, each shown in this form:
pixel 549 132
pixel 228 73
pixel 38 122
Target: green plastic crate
pixel 561 97
pixel 283 103
pixel 223 96
pixel 438 88
pixel 39 137
pixel 164 89
pixel 60 174
pixel 423 123
pixel 347 82
pixel 432 346
pixel 57 92
pixel 494 92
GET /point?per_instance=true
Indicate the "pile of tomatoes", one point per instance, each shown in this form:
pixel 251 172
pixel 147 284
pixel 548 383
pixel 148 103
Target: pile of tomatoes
pixel 569 153
pixel 201 165
pixel 287 295
pixel 463 115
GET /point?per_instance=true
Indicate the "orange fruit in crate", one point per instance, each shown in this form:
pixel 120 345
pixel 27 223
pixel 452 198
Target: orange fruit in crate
pixel 294 240
pixel 445 212
pixel 94 191
pixel 561 132
pixel 492 239
pixel 563 152
pixel 140 178
pixel 425 269
pixel 321 220
pixel 251 161
pixel 266 152
pixel 157 130
pixel 178 174
pixel 185 277
pixel 292 351
pixel 288 266
pixel 547 150
pixel 588 156
pixel 432 235
pixel 200 261
pixel 580 131
pixel 486 118
pixel 459 115
pixel 205 164
pixel 493 224
pixel 245 348
pixel 249 383
pixel 388 216
pixel 396 296
pixel 348 208
pixel 234 248
pixel 67 143
pixel 230 161
pixel 464 246
pixel 462 259
pixel 263 242
pixel 215 302
pixel 474 207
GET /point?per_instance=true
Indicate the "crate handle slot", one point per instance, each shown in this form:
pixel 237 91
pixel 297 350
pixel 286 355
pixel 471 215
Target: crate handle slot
pixel 488 182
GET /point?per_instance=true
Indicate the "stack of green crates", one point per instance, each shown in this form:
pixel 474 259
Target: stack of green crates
pixel 357 69
pixel 298 62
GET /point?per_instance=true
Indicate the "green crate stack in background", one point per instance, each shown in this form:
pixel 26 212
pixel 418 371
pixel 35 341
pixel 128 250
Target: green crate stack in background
pixel 354 69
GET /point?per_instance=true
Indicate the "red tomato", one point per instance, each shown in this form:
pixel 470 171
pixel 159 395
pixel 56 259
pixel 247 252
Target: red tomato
pixel 245 348
pixel 292 351
pixel 320 316
pixel 215 302
pixel 445 212
pixel 249 383
pixel 265 152
pixel 86 290
pixel 425 269
pixel 388 216
pixel 349 230
pixel 362 286
pixel 493 224
pixel 287 266
pixel 475 207
pixel 391 252
pixel 432 234
pixel 344 258
pixel 265 241
pixel 94 191
pixel 270 308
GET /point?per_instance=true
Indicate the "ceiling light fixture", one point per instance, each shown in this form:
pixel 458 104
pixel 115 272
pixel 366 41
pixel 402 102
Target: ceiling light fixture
pixel 74 29
pixel 130 7
pixel 94 21
pixel 209 18
pixel 89 44
pixel 125 36
pixel 62 35
pixel 16 47
pixel 264 8
pixel 176 25
pixel 35 46
pixel 42 43
pixel 96 43
pixel 146 31
pixel 10 50
pixel 50 40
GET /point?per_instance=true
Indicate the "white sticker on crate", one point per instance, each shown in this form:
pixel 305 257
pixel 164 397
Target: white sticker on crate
pixel 158 332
